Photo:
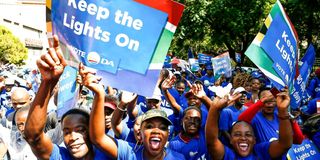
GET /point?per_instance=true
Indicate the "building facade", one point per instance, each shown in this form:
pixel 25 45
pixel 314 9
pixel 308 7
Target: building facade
pixel 27 20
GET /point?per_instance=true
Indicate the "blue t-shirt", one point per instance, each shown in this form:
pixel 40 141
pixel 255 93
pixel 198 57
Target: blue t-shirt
pixel 316 139
pixel 260 152
pixel 314 88
pixel 192 150
pixel 62 153
pixel 209 78
pixel 264 129
pixel 127 151
pixel 127 134
pixel 228 116
pixel 312 106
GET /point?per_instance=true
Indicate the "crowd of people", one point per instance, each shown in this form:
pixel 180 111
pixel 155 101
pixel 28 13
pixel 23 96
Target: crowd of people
pixel 193 115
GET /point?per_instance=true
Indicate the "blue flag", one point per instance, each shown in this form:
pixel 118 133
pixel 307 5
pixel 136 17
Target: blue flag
pixel 190 54
pixel 281 46
pixel 299 84
pixel 309 56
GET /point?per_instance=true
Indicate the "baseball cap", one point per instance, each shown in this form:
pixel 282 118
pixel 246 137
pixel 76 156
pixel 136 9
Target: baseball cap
pixel 156 95
pixel 9 81
pixel 175 61
pixel 110 105
pixel 155 113
pixel 256 74
pixel 239 90
pixel 110 102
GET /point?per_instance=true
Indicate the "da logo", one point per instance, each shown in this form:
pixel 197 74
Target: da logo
pixel 93 58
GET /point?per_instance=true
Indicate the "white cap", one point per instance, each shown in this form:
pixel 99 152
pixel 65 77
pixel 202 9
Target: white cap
pixel 239 90
pixel 9 81
pixel 156 95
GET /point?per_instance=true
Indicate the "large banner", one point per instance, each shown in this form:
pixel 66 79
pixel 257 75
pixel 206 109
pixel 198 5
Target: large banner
pixel 126 41
pixel 109 35
pixel 274 50
pixel 222 65
pixel 306 151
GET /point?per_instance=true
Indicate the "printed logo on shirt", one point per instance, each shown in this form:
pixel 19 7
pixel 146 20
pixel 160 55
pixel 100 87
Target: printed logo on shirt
pixel 192 153
pixel 273 139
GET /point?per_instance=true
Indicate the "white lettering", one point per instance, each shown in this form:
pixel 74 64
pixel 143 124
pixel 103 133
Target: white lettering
pixel 126 20
pixel 123 40
pixel 73 3
pixel 107 62
pixel 91 8
pixel 82 5
pixel 284 55
pixel 86 29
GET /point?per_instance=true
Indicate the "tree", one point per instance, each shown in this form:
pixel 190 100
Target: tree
pixel 231 25
pixel 305 16
pixel 222 24
pixel 11 48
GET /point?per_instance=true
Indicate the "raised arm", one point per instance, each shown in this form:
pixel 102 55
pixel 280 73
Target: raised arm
pixel 197 90
pixel 165 86
pixel 298 136
pixel 51 66
pixel 214 145
pixel 250 112
pixel 132 110
pixel 281 146
pixel 97 121
pixel 116 121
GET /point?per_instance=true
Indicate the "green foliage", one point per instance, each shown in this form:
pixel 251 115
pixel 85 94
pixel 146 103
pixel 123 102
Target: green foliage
pixel 218 25
pixel 11 49
pixel 305 16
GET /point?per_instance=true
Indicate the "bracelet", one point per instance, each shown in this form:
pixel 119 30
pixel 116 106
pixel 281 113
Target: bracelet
pixel 122 110
pixel 285 117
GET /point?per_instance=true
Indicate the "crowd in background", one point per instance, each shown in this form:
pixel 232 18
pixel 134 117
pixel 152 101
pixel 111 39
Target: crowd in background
pixel 193 114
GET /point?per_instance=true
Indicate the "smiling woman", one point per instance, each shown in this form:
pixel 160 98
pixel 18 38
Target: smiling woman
pixel 243 140
pixel 154 133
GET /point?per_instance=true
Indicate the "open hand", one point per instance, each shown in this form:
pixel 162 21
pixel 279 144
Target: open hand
pixel 220 103
pixel 127 97
pixel 197 90
pixel 168 83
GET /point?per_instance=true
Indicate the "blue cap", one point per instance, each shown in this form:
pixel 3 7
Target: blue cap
pixel 209 66
pixel 256 74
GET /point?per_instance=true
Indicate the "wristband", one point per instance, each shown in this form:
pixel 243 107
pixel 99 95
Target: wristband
pixel 122 110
